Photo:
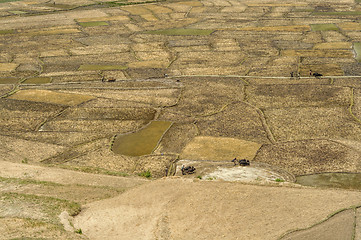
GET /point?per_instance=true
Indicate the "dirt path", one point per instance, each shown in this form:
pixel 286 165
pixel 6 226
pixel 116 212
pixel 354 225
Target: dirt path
pixel 190 209
pixel 63 176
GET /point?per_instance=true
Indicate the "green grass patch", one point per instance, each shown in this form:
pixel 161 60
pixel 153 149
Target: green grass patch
pixel 146 174
pixel 94 170
pixel 347 13
pixel 8 80
pixel 52 207
pixel 17 12
pixel 60 6
pixel 11 31
pixel 28 182
pixel 142 142
pixel 182 31
pixel 357 48
pixel 37 80
pixel 324 27
pixel 90 67
pixel 93 24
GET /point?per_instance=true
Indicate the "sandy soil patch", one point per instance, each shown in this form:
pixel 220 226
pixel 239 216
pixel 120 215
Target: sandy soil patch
pixel 7 67
pixel 256 172
pixel 333 45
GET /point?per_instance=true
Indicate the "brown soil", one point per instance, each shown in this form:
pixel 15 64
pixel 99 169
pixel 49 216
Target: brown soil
pixel 182 209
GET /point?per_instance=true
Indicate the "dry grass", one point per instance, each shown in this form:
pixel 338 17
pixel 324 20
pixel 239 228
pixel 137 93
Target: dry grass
pixel 78 193
pixel 238 120
pixel 51 97
pixel 310 156
pixel 4 89
pixel 219 149
pixel 153 97
pixel 120 114
pixel 33 229
pixel 176 138
pixel 204 96
pixel 285 96
pixel 156 164
pixel 19 150
pixel 309 123
pixel 66 139
pixel 103 126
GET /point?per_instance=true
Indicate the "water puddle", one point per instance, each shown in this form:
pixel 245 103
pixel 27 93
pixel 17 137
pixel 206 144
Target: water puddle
pixel 8 80
pixel 37 80
pixel 357 48
pixel 337 180
pixel 142 142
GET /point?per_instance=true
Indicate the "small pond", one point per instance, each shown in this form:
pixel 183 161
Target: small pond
pixel 332 180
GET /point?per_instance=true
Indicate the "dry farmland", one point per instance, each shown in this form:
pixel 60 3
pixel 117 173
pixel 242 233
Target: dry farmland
pixel 103 104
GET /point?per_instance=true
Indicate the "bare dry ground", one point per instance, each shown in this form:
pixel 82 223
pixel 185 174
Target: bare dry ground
pixel 75 75
pixel 182 209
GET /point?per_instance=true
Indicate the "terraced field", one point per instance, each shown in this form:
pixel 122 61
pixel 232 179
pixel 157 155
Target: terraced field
pixel 99 97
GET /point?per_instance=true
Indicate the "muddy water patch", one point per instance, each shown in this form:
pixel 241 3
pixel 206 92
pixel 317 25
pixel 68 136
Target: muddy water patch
pixel 9 80
pixel 332 180
pixel 324 27
pixel 37 80
pixel 357 49
pixel 142 142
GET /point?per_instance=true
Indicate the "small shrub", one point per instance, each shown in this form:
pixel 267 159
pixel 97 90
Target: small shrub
pixel 279 180
pixel 146 174
pixel 199 177
pixel 79 231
